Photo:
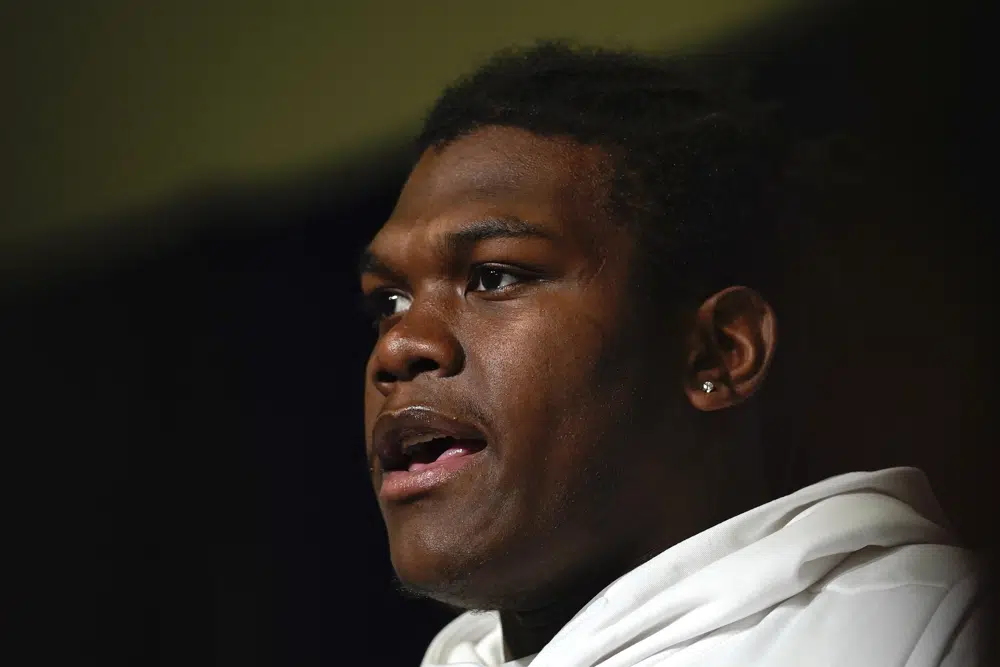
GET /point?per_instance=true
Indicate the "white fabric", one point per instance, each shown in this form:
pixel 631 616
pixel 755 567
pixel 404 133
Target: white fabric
pixel 858 570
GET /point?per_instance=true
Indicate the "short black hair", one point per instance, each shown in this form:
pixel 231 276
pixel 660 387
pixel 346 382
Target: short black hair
pixel 691 152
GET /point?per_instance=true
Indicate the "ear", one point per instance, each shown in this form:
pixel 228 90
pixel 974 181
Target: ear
pixel 731 346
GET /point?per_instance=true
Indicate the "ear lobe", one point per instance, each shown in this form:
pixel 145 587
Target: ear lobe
pixel 733 344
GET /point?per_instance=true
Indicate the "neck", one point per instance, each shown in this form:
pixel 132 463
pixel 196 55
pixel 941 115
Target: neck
pixel 527 632
pixel 528 628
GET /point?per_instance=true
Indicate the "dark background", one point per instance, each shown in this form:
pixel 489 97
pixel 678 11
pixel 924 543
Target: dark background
pixel 183 447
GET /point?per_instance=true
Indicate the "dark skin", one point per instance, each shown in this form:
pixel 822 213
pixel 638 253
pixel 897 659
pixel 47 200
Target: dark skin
pixel 510 304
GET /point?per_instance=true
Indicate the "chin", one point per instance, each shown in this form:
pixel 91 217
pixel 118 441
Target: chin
pixel 427 561
pixel 444 569
pixel 453 574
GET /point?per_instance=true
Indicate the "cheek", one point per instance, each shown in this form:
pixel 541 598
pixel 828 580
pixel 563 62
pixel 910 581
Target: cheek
pixel 555 390
pixel 534 358
pixel 544 376
pixel 373 401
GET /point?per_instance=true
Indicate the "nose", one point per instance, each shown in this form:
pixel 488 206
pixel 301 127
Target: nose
pixel 419 343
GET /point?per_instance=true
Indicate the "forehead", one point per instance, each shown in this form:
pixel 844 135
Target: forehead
pixel 506 171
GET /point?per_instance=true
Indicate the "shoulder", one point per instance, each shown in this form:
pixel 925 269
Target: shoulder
pixel 913 605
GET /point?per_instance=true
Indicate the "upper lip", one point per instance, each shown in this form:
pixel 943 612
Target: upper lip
pixel 393 429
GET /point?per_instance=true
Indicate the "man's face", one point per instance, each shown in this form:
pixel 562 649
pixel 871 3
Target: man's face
pixel 502 396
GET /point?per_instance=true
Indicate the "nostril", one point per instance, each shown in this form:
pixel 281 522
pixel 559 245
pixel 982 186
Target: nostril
pixel 422 365
pixel 411 371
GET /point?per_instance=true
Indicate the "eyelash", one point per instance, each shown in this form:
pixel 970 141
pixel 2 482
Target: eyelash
pixel 373 301
pixel 520 275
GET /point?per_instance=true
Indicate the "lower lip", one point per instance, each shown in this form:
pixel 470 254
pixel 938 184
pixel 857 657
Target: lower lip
pixel 404 484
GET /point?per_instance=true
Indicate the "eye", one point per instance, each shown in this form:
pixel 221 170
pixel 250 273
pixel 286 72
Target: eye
pixel 491 279
pixel 383 304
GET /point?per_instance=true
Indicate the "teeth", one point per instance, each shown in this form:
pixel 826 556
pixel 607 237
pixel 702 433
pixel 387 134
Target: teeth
pixel 419 440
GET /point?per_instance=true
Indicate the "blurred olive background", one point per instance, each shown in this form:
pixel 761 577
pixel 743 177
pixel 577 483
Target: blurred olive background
pixel 111 104
pixel 186 187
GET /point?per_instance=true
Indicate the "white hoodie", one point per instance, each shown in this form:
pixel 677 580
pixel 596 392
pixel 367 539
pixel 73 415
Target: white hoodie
pixel 856 571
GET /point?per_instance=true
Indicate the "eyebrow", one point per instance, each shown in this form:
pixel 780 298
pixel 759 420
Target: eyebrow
pixel 371 263
pixel 459 241
pixel 493 228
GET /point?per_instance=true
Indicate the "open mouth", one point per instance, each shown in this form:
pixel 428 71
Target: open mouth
pixel 420 452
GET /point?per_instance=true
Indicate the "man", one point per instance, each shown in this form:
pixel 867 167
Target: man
pixel 562 405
